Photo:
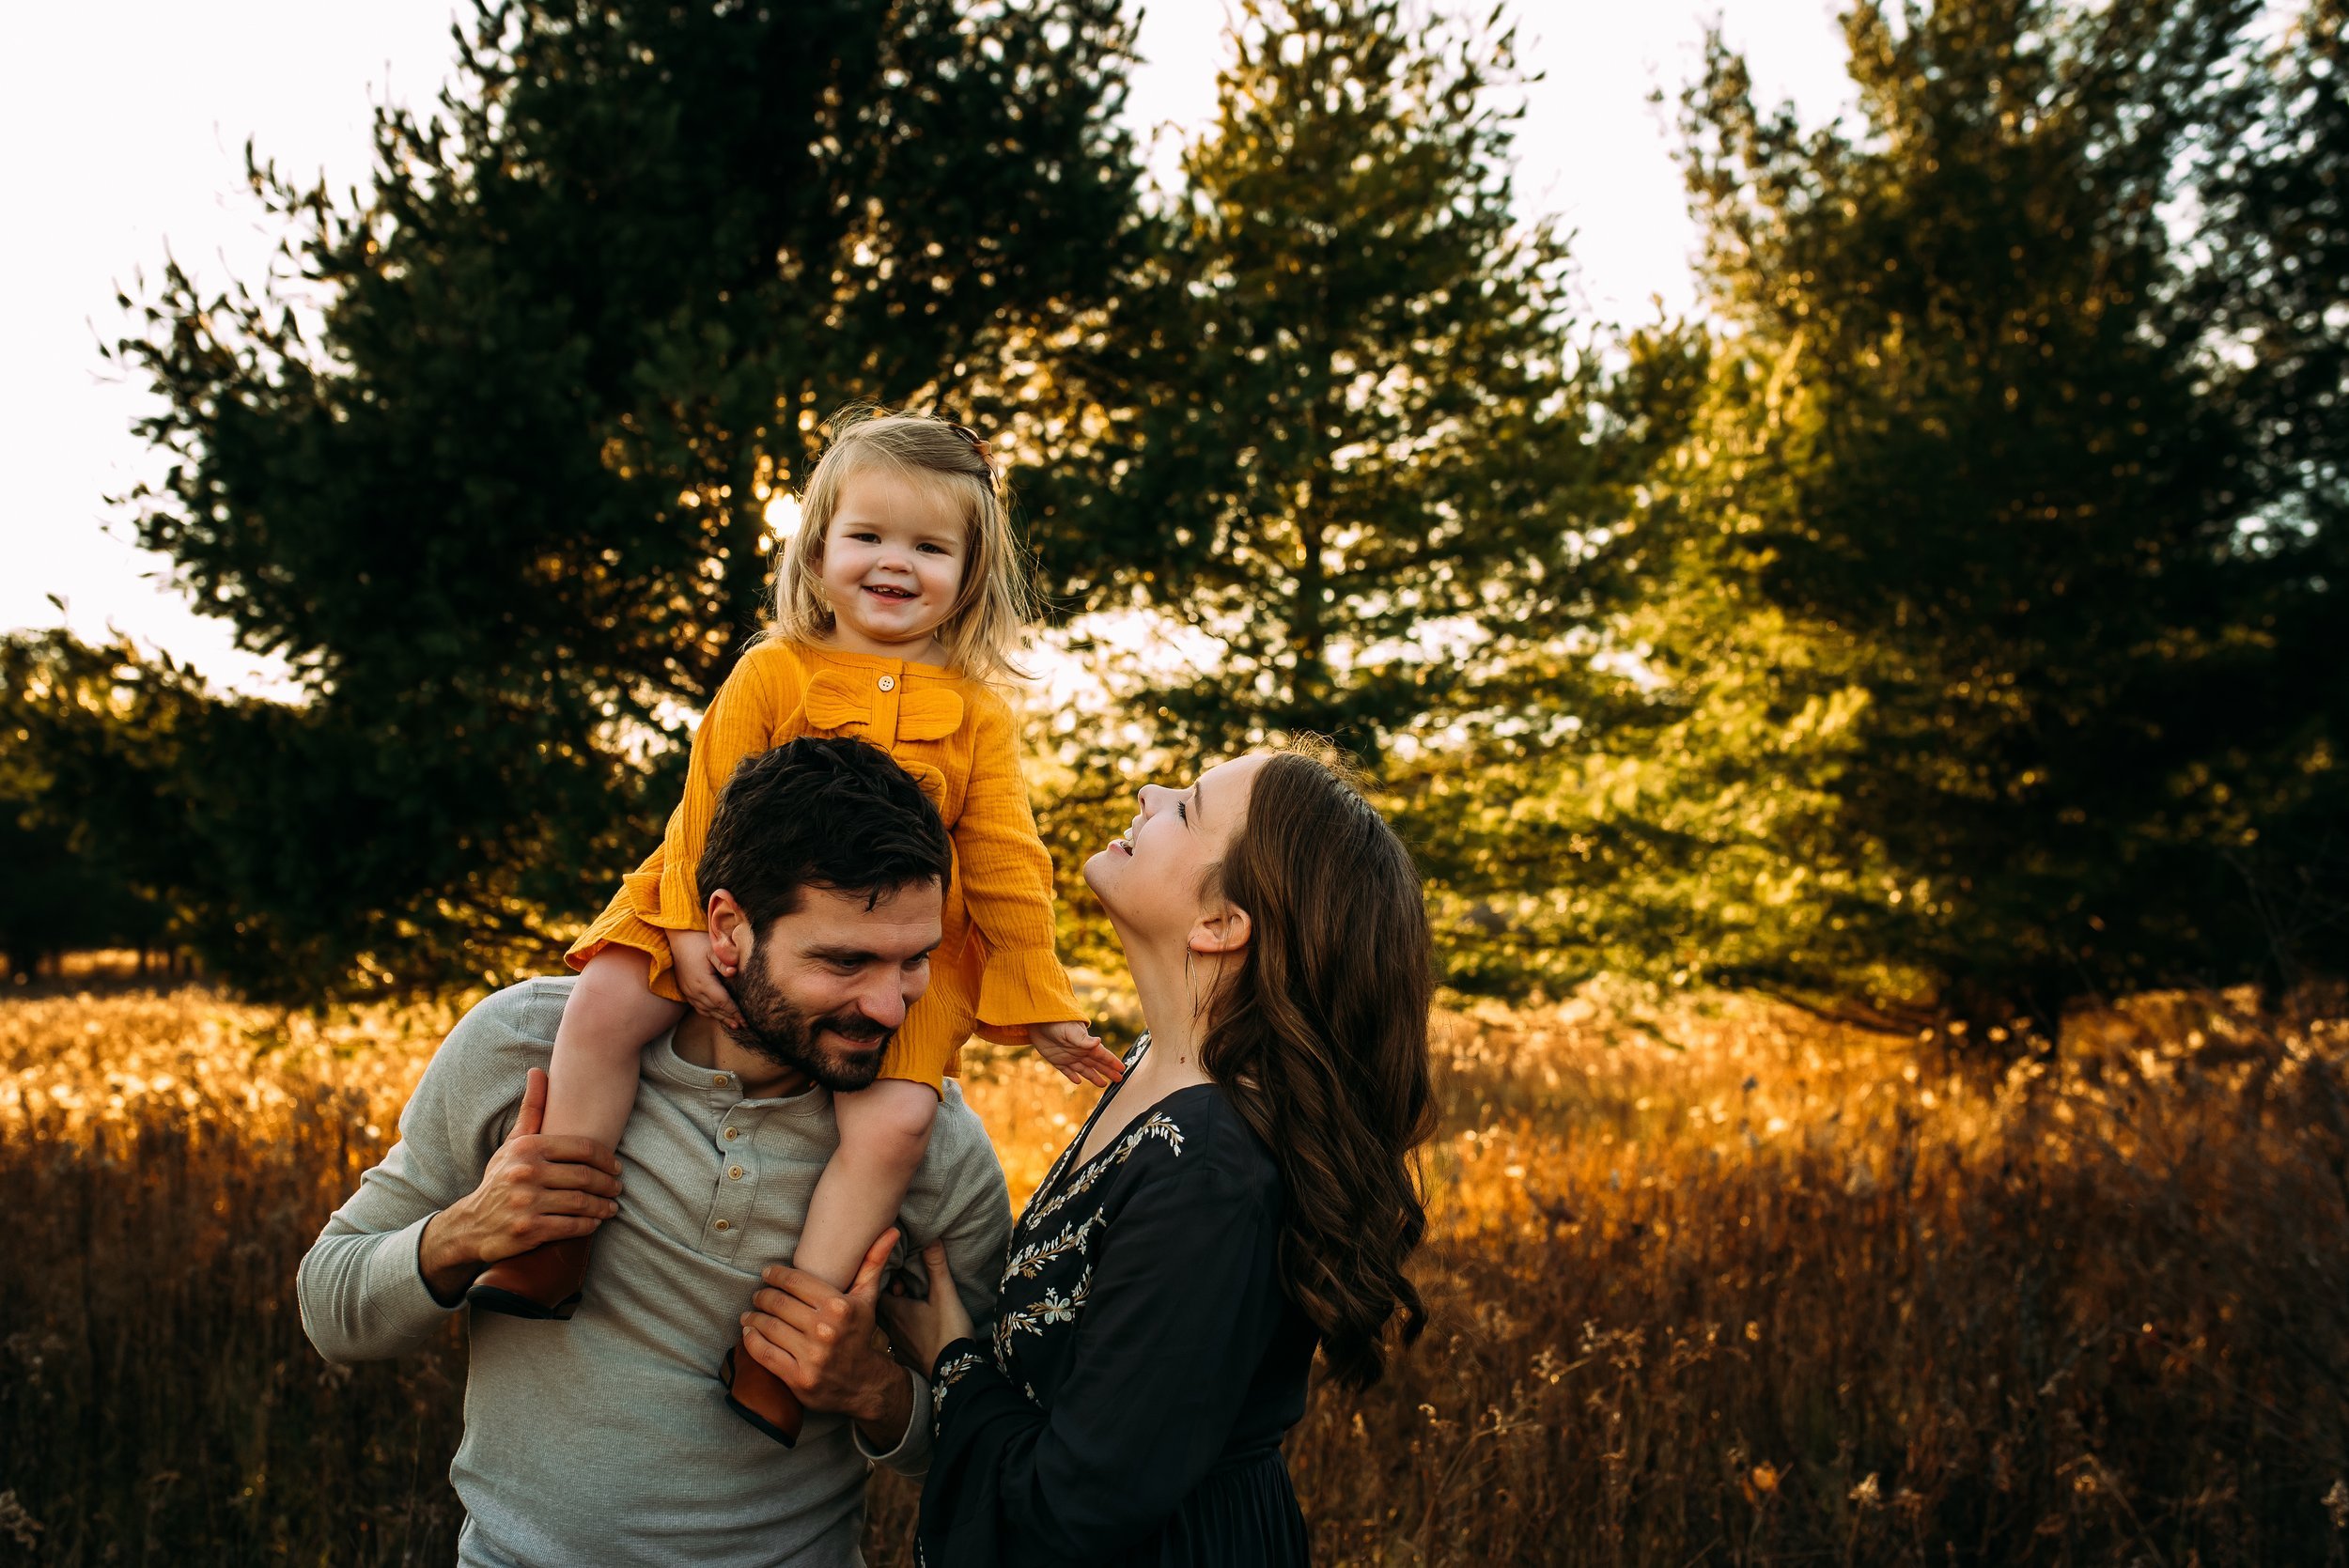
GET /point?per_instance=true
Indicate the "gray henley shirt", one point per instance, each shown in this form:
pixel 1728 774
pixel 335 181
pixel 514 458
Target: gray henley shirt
pixel 606 1440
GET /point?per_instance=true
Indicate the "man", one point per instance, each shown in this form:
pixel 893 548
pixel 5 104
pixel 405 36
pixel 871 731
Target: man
pixel 606 1439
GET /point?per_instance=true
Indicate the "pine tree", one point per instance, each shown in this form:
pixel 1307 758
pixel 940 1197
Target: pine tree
pixel 2274 288
pixel 97 848
pixel 1951 635
pixel 501 501
pixel 1338 431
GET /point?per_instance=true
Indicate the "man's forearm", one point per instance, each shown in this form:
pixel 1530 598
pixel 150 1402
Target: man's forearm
pixel 448 1266
pixel 362 1295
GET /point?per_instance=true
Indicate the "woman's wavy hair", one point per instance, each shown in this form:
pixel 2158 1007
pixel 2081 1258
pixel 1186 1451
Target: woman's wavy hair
pixel 981 634
pixel 1320 1037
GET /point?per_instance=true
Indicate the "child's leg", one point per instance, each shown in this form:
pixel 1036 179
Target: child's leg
pixel 884 1131
pixel 591 1079
pixel 591 1086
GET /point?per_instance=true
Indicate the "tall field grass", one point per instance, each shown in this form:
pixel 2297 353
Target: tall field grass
pixel 1714 1284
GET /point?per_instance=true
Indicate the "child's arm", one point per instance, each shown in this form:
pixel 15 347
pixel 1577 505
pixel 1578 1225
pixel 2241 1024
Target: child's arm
pixel 1007 888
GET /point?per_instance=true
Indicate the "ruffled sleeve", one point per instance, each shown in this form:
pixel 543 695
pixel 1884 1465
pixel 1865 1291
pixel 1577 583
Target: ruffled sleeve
pixel 1008 887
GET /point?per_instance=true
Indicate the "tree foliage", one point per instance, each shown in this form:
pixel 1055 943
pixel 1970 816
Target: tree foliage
pixel 1946 628
pixel 1338 423
pixel 501 498
pixel 96 851
pixel 2275 290
pixel 1964 691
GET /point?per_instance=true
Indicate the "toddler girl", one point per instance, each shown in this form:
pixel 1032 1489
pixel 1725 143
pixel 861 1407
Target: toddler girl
pixel 900 596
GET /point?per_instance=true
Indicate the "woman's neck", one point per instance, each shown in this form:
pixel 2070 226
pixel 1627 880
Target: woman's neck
pixel 1172 989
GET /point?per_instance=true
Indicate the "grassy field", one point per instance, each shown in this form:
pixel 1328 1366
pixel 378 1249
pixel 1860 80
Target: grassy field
pixel 1715 1284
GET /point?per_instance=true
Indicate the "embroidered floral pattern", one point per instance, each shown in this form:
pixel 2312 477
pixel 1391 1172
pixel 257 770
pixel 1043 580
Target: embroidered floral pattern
pixel 944 1377
pixel 1034 1258
pixel 1158 1125
pixel 1069 1153
pixel 1027 1262
pixel 1052 1306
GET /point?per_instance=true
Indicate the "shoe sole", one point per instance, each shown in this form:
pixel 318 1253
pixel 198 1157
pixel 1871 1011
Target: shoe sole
pixel 491 1300
pixel 764 1425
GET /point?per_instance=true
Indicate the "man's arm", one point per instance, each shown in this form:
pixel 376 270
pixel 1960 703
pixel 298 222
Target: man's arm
pixel 535 1190
pixel 362 1287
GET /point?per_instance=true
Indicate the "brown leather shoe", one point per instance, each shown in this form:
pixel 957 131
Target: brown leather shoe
pixel 759 1397
pixel 544 1282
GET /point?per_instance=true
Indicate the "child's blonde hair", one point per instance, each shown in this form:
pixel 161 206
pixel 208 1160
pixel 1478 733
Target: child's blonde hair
pixel 981 633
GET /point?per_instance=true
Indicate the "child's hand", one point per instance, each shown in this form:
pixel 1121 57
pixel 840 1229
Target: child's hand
pixel 1080 1057
pixel 699 979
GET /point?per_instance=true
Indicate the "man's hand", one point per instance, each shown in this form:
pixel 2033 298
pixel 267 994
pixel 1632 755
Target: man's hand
pixel 536 1190
pixel 820 1341
pixel 699 979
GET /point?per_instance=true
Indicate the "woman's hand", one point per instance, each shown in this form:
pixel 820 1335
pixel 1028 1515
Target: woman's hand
pixel 1073 1049
pixel 698 980
pixel 920 1329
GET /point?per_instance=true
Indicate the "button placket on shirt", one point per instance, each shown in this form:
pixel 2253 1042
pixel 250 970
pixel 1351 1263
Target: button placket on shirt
pixel 738 1172
pixel 889 689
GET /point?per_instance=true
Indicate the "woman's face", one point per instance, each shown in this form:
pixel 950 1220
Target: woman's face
pixel 1150 879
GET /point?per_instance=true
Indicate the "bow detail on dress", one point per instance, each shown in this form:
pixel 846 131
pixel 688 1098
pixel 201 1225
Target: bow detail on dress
pixel 835 702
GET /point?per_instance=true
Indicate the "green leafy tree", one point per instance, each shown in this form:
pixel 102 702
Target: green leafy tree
pixel 1499 818
pixel 500 499
pixel 1337 428
pixel 1952 659
pixel 2275 288
pixel 97 854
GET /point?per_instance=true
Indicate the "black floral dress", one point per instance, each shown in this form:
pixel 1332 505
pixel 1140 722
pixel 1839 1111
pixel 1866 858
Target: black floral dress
pixel 1129 1405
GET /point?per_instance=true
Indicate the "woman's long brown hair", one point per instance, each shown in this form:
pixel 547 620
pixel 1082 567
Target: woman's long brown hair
pixel 1321 1040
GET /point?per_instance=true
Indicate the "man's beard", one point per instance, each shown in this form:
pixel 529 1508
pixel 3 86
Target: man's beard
pixel 788 1035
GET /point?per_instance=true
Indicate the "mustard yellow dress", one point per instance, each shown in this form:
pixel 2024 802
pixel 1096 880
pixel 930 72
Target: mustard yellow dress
pixel 995 971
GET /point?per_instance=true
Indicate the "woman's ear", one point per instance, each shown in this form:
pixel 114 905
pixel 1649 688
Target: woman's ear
pixel 1221 929
pixel 730 939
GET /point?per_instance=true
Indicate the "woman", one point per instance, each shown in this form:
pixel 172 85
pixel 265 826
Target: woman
pixel 1245 1194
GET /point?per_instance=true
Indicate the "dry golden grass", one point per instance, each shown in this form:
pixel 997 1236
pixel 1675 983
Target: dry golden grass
pixel 1713 1285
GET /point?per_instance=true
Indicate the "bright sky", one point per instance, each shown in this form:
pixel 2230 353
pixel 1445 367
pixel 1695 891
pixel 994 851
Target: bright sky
pixel 128 118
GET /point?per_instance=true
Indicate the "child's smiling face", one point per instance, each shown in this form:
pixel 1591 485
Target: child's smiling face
pixel 894 560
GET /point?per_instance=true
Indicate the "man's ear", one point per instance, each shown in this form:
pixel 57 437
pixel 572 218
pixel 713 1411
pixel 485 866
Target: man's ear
pixel 1221 929
pixel 731 939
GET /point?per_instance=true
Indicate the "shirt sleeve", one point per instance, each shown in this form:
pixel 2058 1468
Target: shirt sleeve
pixel 359 1287
pixel 1183 1302
pixel 1007 888
pixel 743 721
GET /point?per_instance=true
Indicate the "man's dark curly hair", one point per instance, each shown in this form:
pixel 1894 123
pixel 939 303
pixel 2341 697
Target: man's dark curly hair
pixel 820 812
